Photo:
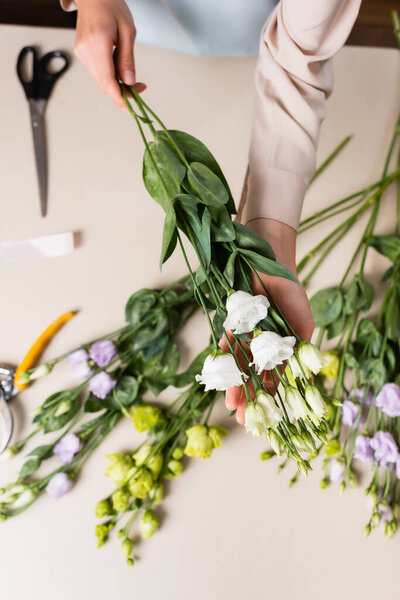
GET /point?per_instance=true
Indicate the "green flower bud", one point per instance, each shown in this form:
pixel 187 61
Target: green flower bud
pixel 127 547
pixel 141 484
pixel 130 562
pixel 178 452
pixel 102 509
pixel 145 416
pixel 120 499
pixel 267 455
pixel 154 464
pixel 63 408
pixel 148 523
pixel 216 433
pixel 174 469
pixel 352 479
pixel 367 530
pixel 323 484
pixel 274 441
pixel 342 487
pixel 293 481
pixel 332 447
pixel 101 533
pixel 375 519
pixel 8 453
pixel 302 467
pixel 199 444
pixel 119 467
pixel 156 494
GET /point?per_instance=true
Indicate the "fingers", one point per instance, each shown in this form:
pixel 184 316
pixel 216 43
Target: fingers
pixel 232 397
pixel 125 56
pixel 240 418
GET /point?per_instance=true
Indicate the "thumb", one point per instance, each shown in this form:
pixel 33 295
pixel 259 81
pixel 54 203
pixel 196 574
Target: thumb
pixel 125 57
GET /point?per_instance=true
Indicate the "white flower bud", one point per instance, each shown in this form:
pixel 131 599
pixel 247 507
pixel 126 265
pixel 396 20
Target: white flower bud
pixel 315 401
pixel 270 349
pixel 311 357
pixel 296 403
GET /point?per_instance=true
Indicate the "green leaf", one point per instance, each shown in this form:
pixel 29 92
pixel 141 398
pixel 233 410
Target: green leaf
pixel 229 271
pixel 392 316
pixel 139 305
pixel 200 224
pixel 250 240
pixel 29 467
pixel 388 245
pixel 326 306
pixel 218 322
pixel 53 423
pixel 335 328
pixel 390 359
pixel 195 151
pixel 163 177
pixel 126 391
pixel 193 369
pixel 358 295
pixel 222 229
pixel 266 265
pixel 93 404
pixel 206 185
pixel 147 335
pixel 170 236
pixel 365 329
pixel 42 452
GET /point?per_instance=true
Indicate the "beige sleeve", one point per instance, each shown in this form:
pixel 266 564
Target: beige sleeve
pixel 293 79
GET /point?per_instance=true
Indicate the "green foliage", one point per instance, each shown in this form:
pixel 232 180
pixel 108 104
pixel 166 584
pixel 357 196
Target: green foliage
pixel 388 245
pixel 326 306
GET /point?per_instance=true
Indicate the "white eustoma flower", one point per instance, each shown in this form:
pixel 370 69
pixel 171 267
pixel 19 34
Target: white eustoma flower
pixel 311 357
pixel 296 403
pixel 315 401
pixel 245 311
pixel 273 413
pixel 270 349
pixel 262 414
pixel 220 372
pixel 297 367
pixel 25 498
pixel 255 419
pixel 336 472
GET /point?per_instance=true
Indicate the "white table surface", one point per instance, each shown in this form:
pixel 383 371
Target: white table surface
pixel 231 528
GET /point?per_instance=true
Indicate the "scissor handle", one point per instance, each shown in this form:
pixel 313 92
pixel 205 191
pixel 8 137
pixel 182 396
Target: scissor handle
pixel 42 81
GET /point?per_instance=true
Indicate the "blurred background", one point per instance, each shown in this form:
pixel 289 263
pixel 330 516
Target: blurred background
pixel 373 26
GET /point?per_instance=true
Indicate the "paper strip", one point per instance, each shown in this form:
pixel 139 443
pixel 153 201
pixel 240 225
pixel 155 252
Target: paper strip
pixel 45 246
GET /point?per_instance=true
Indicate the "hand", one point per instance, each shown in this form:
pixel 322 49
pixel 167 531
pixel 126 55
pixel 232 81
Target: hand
pixel 101 25
pixel 288 295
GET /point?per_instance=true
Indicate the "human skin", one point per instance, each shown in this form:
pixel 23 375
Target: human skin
pixel 288 295
pixel 103 25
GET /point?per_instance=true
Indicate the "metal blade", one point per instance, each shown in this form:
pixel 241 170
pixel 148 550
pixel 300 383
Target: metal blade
pixel 39 143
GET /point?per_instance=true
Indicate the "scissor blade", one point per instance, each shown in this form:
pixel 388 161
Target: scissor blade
pixel 39 143
pixel 6 422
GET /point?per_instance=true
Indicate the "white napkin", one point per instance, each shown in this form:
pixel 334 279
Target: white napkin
pixel 45 246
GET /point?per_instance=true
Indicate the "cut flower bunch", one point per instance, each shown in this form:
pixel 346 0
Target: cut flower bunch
pixel 181 174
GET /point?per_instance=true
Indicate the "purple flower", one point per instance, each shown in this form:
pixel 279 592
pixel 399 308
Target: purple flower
pixel 102 352
pixel 385 447
pixel 59 485
pixel 101 384
pixel 67 447
pixel 362 449
pixel 78 357
pixel 358 396
pixel 350 412
pixel 388 400
pixel 79 360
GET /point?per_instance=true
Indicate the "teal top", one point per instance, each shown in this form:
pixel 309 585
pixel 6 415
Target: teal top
pixel 203 28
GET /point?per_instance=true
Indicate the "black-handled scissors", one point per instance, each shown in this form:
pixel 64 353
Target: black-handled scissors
pixel 37 90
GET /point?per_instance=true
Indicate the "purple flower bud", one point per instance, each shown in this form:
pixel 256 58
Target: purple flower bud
pixel 101 384
pixel 59 485
pixel 350 412
pixel 362 449
pixel 398 467
pixel 67 447
pixel 385 447
pixel 388 400
pixel 102 352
